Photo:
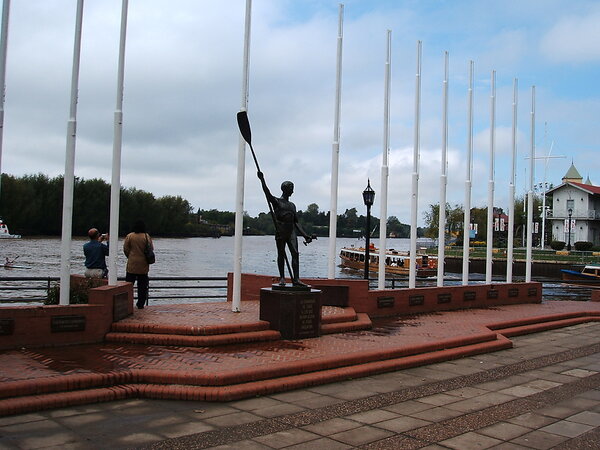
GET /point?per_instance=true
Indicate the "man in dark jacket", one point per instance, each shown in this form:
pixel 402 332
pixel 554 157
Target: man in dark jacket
pixel 95 254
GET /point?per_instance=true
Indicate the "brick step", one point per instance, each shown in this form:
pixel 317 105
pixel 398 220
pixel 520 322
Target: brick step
pixel 329 315
pixel 518 330
pixel 360 322
pixel 187 330
pixel 78 389
pixel 182 340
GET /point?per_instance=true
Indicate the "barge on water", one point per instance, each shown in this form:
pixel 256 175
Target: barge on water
pixel 396 262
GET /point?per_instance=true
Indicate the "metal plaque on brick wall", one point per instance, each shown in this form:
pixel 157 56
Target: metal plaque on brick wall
pixel 532 292
pixel 492 293
pixel 416 300
pixel 120 306
pixel 469 296
pixel 444 298
pixel 67 323
pixel 513 292
pixel 7 327
pixel 385 302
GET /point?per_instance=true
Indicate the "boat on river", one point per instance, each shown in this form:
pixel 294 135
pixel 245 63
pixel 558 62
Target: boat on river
pixel 5 234
pixel 590 274
pixel 396 262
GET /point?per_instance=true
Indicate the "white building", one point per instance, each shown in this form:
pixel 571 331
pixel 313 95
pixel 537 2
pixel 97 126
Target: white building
pixel 579 202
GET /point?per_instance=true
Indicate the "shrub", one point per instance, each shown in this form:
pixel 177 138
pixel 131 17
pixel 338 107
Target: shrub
pixel 557 245
pixel 583 246
pixel 78 294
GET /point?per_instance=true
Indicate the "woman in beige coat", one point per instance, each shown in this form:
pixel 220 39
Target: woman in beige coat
pixel 137 267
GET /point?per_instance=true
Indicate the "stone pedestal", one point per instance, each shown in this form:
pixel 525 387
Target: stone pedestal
pixel 295 313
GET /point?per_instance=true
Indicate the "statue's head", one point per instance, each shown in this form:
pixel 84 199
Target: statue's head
pixel 287 187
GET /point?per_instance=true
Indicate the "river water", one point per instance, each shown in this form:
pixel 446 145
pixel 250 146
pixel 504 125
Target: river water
pixel 209 257
pixel 187 257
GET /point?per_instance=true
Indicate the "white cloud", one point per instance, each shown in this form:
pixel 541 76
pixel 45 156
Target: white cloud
pixel 573 39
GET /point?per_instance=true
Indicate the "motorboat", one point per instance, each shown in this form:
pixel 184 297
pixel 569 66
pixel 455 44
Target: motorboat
pixel 5 234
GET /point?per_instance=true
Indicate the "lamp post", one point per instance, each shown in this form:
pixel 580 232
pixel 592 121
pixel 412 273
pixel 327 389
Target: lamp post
pixel 368 198
pixel 570 211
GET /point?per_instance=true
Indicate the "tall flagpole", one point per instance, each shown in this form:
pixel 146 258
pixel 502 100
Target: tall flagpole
pixel 3 52
pixel 69 177
pixel 468 180
pixel 511 189
pixel 412 275
pixel 385 164
pixel 335 150
pixel 530 193
pixel 241 173
pixel 115 187
pixel 443 179
pixel 490 212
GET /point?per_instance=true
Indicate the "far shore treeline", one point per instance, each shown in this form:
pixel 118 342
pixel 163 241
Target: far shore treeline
pixel 31 205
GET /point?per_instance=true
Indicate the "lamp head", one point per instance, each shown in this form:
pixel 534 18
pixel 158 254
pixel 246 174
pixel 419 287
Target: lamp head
pixel 368 194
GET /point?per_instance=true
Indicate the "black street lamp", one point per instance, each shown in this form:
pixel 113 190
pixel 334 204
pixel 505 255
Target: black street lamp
pixel 369 198
pixel 570 211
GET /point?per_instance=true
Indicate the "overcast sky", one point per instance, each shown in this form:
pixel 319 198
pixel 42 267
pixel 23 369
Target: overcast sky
pixel 183 76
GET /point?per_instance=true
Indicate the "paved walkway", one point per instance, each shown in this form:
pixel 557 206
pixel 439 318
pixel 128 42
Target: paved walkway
pixel 542 393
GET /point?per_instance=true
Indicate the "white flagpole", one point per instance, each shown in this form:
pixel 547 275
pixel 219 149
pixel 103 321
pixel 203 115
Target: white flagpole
pixel 384 164
pixel 468 180
pixel 115 187
pixel 490 212
pixel 511 189
pixel 335 150
pixel 412 275
pixel 3 52
pixel 530 193
pixel 443 179
pixel 241 172
pixel 69 177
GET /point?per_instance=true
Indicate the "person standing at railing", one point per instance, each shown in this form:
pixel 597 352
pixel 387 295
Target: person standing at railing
pixel 138 266
pixel 95 254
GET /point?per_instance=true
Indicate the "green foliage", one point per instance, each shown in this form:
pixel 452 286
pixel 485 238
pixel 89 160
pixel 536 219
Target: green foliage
pixel 32 205
pixel 583 246
pixel 557 245
pixel 78 295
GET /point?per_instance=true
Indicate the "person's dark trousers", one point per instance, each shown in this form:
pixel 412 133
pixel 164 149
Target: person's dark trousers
pixel 142 287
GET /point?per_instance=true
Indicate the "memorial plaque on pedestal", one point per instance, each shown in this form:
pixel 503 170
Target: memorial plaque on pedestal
pixel 296 314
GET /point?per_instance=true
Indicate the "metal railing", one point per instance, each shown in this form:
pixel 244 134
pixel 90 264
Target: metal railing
pixel 35 289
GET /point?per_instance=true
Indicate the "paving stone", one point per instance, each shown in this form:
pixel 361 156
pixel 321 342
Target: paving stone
pixel 242 445
pixel 402 424
pixel 520 391
pixel 567 428
pixel 373 416
pixel 437 414
pixel 254 403
pixel 532 420
pixel 558 412
pixel 286 438
pixel 504 431
pixel 361 435
pixel 408 407
pixel 471 441
pixel 320 444
pixel 318 401
pixel 467 392
pixel 586 417
pixel 539 440
pixel 232 419
pixel 331 426
pixel 278 410
pixel 438 399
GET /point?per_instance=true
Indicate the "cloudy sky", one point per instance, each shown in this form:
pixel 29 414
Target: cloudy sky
pixel 183 88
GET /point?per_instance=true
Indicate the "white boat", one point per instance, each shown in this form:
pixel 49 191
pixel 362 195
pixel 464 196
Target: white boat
pixel 5 234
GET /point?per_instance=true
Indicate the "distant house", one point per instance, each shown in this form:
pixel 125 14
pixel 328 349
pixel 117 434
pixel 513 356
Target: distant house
pixel 579 202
